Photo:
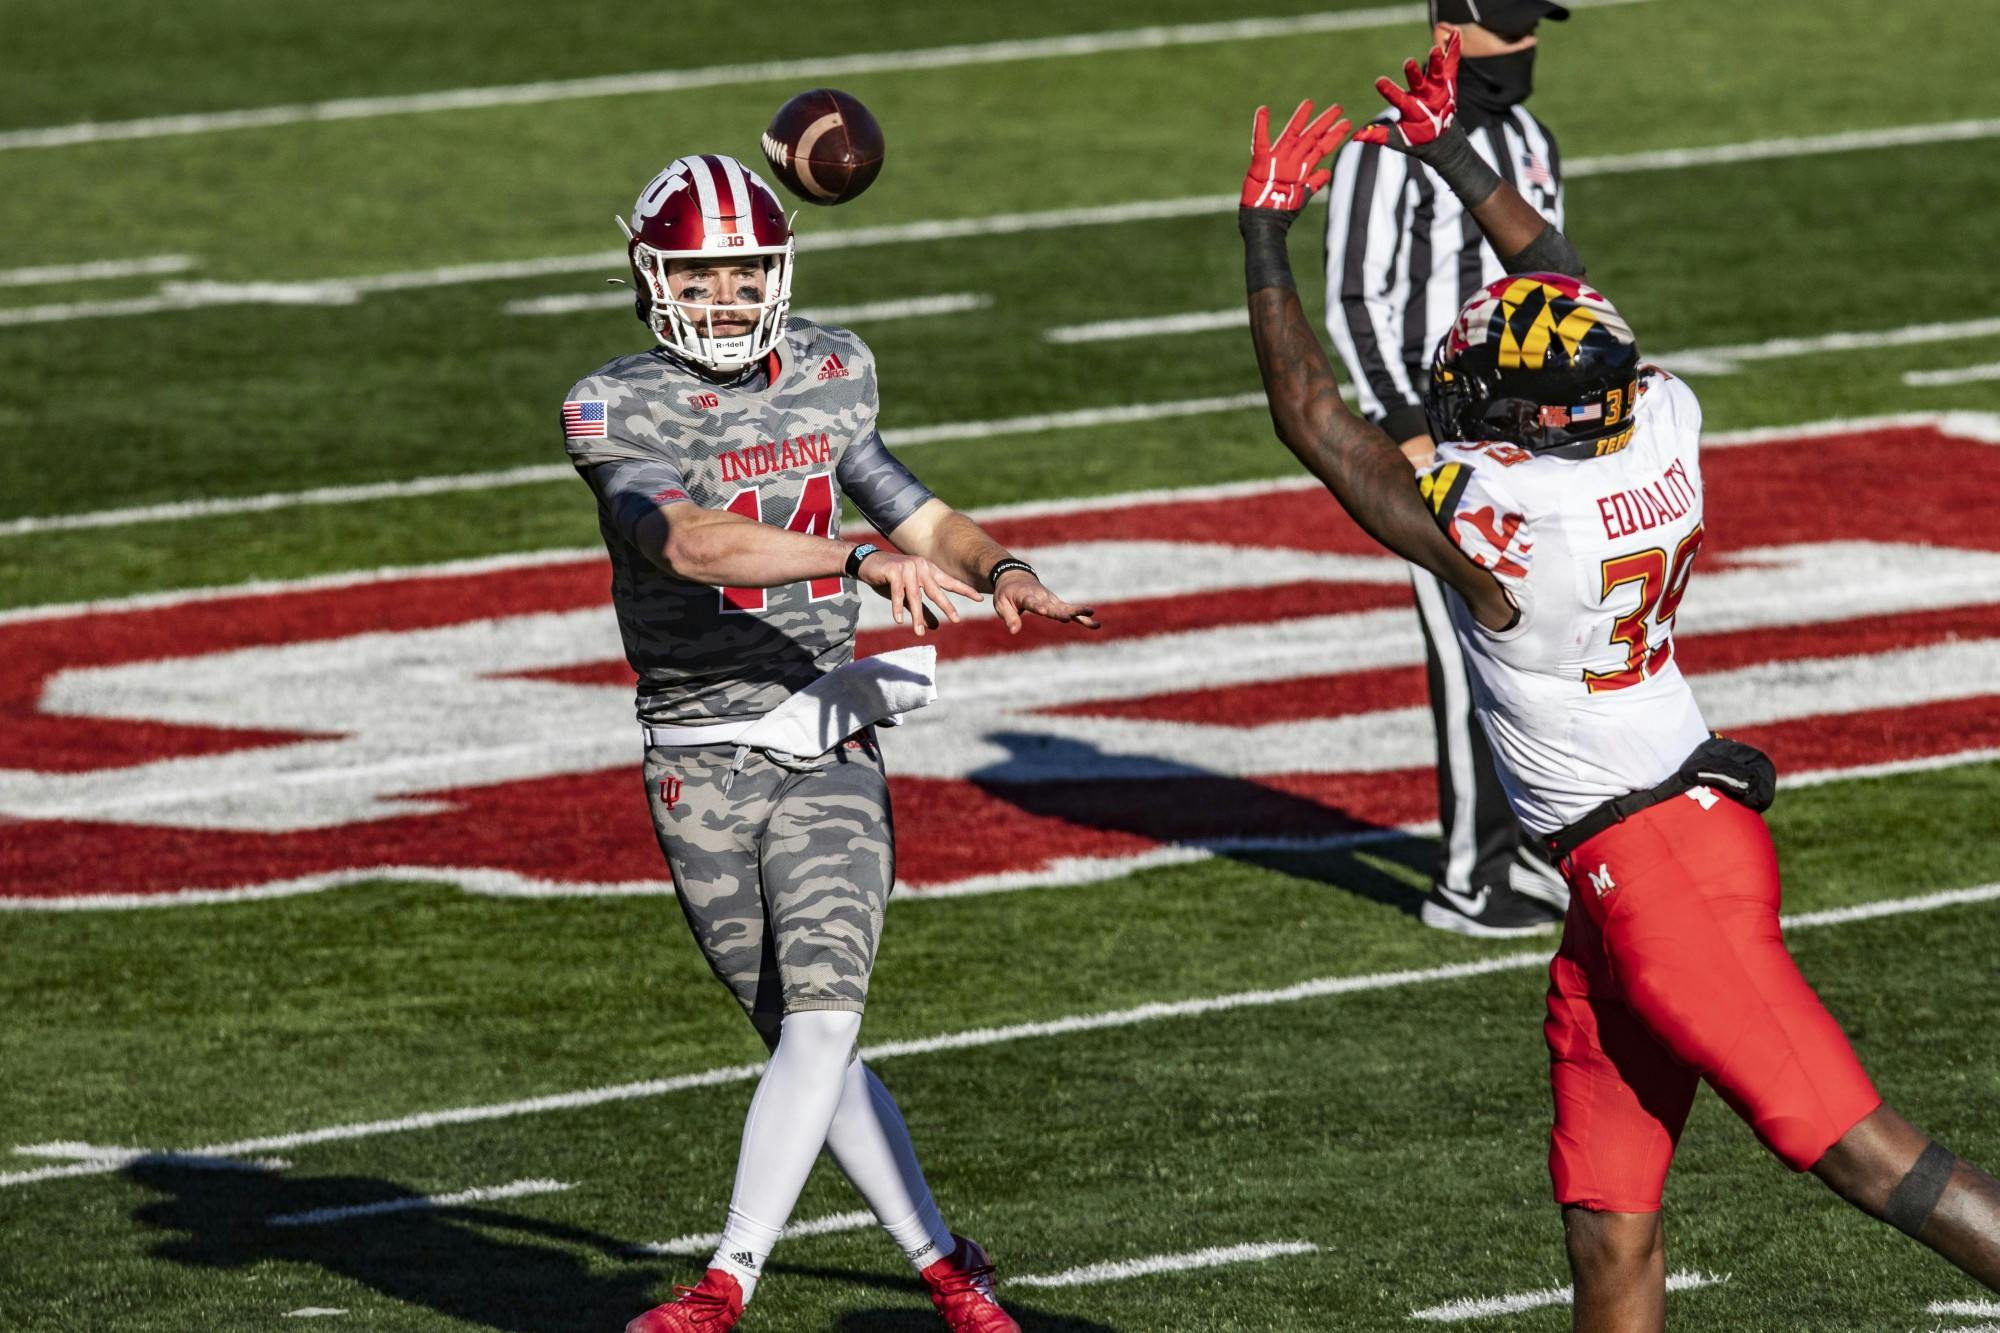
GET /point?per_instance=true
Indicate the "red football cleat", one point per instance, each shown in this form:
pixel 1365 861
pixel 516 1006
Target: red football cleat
pixel 711 1306
pixel 962 1290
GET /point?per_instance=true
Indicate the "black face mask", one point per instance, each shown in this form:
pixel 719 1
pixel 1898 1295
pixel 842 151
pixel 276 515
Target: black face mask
pixel 1489 85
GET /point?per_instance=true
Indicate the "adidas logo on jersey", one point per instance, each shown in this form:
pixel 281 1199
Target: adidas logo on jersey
pixel 832 369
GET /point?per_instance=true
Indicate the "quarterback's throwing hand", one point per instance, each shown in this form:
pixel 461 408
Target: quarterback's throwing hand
pixel 1281 176
pixel 906 580
pixel 1019 591
pixel 1424 110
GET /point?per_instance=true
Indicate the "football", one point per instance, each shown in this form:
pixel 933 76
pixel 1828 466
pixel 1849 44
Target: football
pixel 824 146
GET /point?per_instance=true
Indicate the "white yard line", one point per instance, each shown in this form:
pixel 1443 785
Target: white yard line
pixel 541 473
pixel 534 474
pixel 314 1312
pixel 1805 145
pixel 1977 425
pixel 1726 359
pixel 518 1189
pixel 1932 379
pixel 1122 1270
pixel 345 291
pixel 1691 361
pixel 973 1039
pixel 1488 1307
pixel 96 270
pixel 1966 1309
pixel 701 1243
pixel 953 303
pixel 1116 330
pixel 801 72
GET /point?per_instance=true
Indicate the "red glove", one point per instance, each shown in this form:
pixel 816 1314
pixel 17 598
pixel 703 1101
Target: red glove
pixel 1281 175
pixel 1424 112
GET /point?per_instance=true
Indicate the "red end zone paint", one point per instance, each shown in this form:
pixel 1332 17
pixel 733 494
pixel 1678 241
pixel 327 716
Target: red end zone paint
pixel 583 822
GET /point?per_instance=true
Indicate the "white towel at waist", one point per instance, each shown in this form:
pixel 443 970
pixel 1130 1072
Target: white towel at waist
pixel 871 691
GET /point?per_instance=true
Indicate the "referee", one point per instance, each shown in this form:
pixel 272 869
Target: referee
pixel 1402 255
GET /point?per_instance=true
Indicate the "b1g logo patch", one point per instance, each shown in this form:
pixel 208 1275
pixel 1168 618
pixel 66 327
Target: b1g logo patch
pixel 701 402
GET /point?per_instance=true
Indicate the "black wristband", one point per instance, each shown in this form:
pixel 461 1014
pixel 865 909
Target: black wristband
pixel 1003 566
pixel 857 555
pixel 1265 260
pixel 1452 156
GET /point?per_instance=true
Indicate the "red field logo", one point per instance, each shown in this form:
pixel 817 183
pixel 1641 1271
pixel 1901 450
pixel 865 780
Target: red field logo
pixel 1258 681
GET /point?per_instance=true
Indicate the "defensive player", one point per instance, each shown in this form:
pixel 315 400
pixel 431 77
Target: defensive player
pixel 718 460
pixel 1402 255
pixel 1564 517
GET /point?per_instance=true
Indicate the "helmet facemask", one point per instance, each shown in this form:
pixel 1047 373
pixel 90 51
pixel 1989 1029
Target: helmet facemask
pixel 687 328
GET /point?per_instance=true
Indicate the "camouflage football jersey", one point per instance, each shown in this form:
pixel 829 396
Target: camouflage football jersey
pixel 781 446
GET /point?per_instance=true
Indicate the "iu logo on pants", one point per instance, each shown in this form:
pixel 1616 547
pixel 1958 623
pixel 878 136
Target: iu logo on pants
pixel 670 792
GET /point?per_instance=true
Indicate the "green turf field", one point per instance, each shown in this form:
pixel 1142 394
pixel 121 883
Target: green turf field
pixel 1400 1130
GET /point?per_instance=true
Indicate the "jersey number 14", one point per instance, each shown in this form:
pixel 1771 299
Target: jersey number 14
pixel 813 514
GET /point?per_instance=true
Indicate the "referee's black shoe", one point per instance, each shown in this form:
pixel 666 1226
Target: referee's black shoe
pixel 1493 912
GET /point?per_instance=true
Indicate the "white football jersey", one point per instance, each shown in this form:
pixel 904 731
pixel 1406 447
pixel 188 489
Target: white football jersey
pixel 1582 699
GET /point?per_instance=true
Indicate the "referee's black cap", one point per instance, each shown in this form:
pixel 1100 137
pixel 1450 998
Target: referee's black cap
pixel 1507 17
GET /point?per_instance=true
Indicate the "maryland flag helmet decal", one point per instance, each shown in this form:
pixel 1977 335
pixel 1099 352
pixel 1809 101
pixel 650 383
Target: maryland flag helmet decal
pixel 1540 360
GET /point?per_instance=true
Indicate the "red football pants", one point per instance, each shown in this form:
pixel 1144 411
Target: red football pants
pixel 1672 970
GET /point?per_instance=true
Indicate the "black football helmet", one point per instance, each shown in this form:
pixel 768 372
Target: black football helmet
pixel 1538 360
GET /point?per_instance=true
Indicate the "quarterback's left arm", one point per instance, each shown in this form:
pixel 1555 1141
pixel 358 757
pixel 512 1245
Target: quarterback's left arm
pixel 903 509
pixel 1356 461
pixel 957 545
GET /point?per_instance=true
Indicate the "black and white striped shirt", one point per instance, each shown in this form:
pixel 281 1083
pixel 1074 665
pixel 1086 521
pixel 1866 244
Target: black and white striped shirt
pixel 1402 255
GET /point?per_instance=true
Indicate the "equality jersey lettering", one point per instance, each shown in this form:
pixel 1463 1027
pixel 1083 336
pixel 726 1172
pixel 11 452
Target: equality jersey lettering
pixel 771 453
pixel 1581 699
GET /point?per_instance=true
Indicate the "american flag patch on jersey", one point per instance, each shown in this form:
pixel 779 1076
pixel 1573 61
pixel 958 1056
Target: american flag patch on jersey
pixel 1538 170
pixel 584 419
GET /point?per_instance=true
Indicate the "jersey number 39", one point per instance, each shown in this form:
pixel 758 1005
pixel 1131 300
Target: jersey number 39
pixel 1662 584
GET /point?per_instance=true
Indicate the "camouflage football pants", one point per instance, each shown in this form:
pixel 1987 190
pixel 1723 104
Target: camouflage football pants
pixel 784 876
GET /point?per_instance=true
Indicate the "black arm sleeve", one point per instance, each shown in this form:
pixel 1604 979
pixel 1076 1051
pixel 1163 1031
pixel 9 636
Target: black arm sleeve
pixel 630 489
pixel 1549 252
pixel 883 489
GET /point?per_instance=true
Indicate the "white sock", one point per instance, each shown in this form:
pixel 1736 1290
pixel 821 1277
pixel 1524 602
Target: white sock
pixel 872 1145
pixel 787 1126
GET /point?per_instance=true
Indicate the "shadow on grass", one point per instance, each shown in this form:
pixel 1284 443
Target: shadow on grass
pixel 533 1280
pixel 445 1259
pixel 1182 805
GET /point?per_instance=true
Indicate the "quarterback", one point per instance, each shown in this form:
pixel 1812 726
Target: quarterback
pixel 718 460
pixel 1564 515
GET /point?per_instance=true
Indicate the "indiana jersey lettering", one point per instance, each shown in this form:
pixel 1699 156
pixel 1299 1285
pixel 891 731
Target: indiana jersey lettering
pixel 1581 699
pixel 782 450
